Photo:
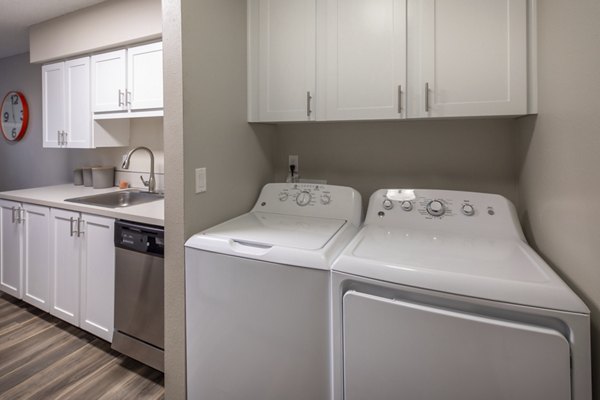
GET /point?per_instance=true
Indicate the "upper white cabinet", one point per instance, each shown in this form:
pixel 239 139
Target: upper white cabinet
pixel 144 77
pixel 386 59
pixel 470 58
pixel 66 110
pixel 53 103
pixel 282 60
pixel 109 81
pixel 365 59
pixel 128 82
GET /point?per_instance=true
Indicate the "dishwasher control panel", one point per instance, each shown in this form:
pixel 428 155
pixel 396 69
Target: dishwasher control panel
pixel 140 238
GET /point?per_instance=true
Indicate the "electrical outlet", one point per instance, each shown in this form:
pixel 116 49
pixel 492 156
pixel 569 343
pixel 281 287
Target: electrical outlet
pixel 200 180
pixel 293 160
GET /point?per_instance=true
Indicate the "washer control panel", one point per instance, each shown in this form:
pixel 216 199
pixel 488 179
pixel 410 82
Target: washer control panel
pixel 420 208
pixel 310 199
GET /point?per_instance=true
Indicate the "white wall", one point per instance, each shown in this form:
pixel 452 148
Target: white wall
pixel 472 155
pixel 102 26
pixel 560 173
pixel 26 164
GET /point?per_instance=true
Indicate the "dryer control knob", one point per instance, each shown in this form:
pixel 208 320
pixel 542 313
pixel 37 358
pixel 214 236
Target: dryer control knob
pixel 283 196
pixel 387 204
pixel 406 205
pixel 325 199
pixel 468 210
pixel 436 208
pixel 303 198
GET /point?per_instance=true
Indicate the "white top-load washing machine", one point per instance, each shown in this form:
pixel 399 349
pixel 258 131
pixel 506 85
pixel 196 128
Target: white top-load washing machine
pixel 439 297
pixel 258 295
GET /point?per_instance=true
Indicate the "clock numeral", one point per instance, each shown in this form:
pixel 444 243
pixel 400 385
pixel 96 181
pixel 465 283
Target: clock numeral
pixel 21 114
pixel 5 116
pixel 13 133
pixel 14 99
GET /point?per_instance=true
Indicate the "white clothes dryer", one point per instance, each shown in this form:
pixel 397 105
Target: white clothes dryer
pixel 439 297
pixel 258 295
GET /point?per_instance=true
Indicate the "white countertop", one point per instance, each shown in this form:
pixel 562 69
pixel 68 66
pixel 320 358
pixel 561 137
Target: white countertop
pixel 54 196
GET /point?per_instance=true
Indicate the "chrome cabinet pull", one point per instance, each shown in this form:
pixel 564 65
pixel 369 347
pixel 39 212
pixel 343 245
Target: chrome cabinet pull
pixel 399 99
pixel 13 214
pixel 308 101
pixel 121 101
pixel 79 231
pixel 426 96
pixel 20 215
pixel 71 226
pixel 65 138
pixel 128 98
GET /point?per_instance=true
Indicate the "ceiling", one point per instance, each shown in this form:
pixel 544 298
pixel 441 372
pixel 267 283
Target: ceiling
pixel 16 16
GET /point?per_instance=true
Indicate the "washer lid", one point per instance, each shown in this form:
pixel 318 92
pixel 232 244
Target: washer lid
pixel 278 230
pixel 499 269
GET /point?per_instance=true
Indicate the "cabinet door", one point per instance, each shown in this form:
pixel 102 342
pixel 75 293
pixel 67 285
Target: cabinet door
pixel 282 60
pixel 65 259
pixel 109 75
pixel 98 276
pixel 53 103
pixel 366 59
pixel 145 77
pixel 11 248
pixel 36 262
pixel 78 111
pixel 469 58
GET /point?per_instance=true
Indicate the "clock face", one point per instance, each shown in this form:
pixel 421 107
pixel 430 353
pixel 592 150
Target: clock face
pixel 15 115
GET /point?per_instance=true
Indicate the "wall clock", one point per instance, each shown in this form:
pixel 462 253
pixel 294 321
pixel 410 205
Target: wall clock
pixel 15 116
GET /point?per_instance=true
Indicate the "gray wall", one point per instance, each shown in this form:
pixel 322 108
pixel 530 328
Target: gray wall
pixel 472 155
pixel 26 164
pixel 215 136
pixel 560 172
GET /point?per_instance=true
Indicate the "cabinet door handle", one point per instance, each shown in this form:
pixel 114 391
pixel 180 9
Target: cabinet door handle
pixel 71 226
pixel 58 138
pixel 128 98
pixel 399 99
pixel 20 215
pixel 308 101
pixel 79 231
pixel 65 138
pixel 13 214
pixel 121 102
pixel 426 96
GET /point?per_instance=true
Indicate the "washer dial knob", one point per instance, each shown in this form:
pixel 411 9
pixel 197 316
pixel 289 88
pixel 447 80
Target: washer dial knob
pixel 325 199
pixel 387 204
pixel 468 210
pixel 283 196
pixel 406 205
pixel 303 198
pixel 436 208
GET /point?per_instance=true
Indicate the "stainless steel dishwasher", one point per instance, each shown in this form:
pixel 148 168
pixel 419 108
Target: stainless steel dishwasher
pixel 139 292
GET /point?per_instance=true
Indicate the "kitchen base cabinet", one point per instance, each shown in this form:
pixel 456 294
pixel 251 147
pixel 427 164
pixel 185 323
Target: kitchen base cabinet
pixel 83 266
pixel 98 276
pixel 36 251
pixel 65 261
pixel 11 243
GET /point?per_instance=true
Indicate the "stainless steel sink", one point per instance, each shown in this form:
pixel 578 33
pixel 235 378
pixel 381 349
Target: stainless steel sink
pixel 125 198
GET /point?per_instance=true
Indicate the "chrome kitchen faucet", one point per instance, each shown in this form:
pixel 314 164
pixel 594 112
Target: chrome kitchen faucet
pixel 151 182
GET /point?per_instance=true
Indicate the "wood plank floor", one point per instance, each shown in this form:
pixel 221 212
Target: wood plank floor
pixel 42 357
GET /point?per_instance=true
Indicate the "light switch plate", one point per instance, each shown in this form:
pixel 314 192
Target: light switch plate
pixel 200 180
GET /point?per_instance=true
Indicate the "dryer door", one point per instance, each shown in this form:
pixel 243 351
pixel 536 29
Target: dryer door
pixel 395 349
